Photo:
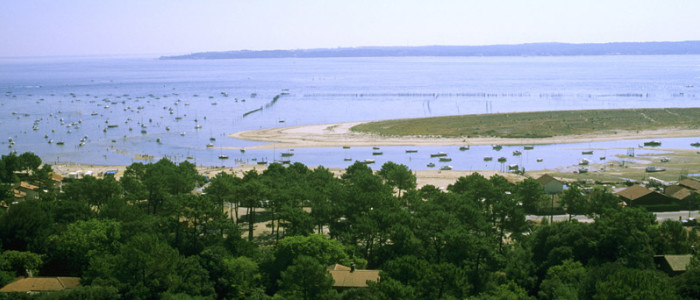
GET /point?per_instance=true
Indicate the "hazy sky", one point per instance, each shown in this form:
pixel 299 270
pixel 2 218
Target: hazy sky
pixel 87 27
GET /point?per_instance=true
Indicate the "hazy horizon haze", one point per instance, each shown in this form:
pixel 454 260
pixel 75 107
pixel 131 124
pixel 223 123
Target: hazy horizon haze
pixel 81 27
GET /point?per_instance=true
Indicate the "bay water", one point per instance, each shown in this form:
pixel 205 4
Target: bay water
pixel 119 110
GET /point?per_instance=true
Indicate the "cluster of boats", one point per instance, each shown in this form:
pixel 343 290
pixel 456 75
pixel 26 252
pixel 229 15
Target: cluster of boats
pixel 443 156
pixel 108 106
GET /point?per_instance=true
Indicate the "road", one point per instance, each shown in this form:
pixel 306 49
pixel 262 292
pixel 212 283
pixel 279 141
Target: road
pixel 660 216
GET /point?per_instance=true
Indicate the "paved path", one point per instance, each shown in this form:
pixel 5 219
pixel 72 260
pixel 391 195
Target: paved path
pixel 660 216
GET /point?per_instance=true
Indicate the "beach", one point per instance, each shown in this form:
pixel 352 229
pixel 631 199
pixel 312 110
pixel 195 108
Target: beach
pixel 340 135
pixel 438 178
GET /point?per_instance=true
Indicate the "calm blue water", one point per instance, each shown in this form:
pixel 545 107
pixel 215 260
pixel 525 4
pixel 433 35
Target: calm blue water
pixel 66 99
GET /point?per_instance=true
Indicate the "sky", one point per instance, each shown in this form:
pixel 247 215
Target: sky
pixel 167 27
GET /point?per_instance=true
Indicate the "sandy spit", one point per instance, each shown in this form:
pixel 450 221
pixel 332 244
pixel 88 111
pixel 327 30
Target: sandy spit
pixel 339 135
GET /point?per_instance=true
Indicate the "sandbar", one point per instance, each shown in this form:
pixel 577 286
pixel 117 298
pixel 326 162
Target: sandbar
pixel 340 135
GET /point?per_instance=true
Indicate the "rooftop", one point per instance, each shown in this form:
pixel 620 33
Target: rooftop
pixel 692 184
pixel 678 263
pixel 344 277
pixel 634 192
pixel 41 284
pixel 546 178
pixel 27 185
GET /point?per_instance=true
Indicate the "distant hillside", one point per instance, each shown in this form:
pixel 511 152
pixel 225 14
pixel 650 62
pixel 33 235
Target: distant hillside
pixel 536 49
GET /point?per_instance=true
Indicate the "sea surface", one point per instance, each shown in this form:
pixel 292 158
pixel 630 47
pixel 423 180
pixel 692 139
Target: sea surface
pixel 120 110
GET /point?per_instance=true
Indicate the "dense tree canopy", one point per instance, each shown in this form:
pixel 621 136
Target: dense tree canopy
pixel 152 235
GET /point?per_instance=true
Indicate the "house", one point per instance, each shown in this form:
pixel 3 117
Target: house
pixel 348 277
pixel 678 192
pixel 41 284
pixel 640 196
pixel 30 191
pixel 690 184
pixel 57 180
pixel 672 264
pixel 551 185
pixel 18 195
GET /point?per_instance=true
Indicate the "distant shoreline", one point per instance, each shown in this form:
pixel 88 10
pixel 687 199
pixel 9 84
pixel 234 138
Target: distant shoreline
pixel 532 49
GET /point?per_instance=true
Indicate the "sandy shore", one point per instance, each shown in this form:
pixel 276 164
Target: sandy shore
pixel 437 178
pixel 339 135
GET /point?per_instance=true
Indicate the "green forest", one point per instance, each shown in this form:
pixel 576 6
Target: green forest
pixel 149 235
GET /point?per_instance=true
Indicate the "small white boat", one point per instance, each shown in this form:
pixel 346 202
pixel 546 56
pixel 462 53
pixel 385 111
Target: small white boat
pixel 222 156
pixel 210 145
pixel 446 168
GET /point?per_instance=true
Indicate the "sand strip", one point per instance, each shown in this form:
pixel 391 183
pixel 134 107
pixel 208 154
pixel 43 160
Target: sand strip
pixel 339 135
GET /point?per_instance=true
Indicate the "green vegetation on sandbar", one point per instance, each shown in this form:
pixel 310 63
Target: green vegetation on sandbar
pixel 538 124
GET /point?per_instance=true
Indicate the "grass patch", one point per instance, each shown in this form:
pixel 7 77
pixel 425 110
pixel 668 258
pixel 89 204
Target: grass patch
pixel 537 124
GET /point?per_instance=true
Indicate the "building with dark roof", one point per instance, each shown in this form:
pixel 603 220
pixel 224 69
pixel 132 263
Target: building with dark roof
pixel 551 184
pixel 673 264
pixel 690 184
pixel 678 192
pixel 640 196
